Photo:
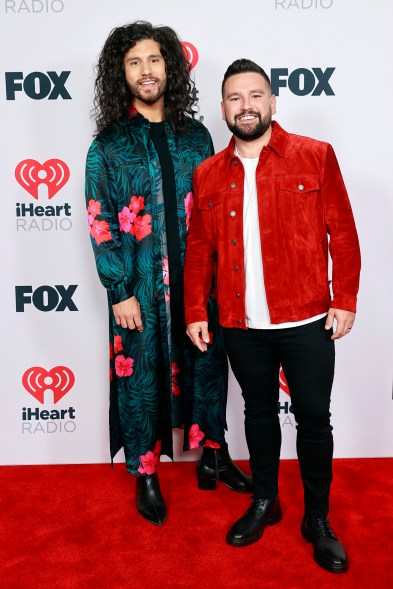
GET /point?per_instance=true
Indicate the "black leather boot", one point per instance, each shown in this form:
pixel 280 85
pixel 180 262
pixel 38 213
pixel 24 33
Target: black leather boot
pixel 149 500
pixel 216 465
pixel 329 553
pixel 249 528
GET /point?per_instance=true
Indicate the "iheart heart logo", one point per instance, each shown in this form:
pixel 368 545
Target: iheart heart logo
pixel 191 53
pixel 283 382
pixel 53 173
pixel 37 380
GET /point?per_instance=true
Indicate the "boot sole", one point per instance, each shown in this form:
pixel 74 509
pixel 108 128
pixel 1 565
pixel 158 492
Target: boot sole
pixel 275 519
pixel 211 485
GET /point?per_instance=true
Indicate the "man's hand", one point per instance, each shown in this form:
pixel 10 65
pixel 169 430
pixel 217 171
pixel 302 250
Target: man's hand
pixel 199 334
pixel 128 314
pixel 344 322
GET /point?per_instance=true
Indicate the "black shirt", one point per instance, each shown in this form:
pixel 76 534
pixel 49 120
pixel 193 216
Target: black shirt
pixel 159 139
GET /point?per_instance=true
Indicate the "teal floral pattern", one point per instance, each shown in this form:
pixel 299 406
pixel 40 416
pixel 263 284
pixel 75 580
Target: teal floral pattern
pixel 155 383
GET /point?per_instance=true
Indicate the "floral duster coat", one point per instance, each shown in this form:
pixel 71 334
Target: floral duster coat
pixel 155 384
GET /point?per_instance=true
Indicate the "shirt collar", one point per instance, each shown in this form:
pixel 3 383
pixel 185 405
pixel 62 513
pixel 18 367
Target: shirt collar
pixel 278 142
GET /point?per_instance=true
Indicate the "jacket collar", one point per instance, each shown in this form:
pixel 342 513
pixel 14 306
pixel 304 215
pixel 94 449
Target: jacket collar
pixel 278 142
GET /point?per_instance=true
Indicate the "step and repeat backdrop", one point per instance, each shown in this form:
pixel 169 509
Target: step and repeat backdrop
pixel 330 65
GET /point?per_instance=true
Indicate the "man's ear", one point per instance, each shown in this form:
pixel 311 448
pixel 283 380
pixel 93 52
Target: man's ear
pixel 273 104
pixel 222 110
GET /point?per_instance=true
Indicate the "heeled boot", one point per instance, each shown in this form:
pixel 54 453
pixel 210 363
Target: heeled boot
pixel 216 465
pixel 149 501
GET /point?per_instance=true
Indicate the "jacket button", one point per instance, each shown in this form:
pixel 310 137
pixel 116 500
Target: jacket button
pixel 209 204
pixel 234 161
pixel 238 295
pixel 233 185
pixel 300 187
pixel 236 268
pixel 233 213
pixel 234 241
pixel 239 321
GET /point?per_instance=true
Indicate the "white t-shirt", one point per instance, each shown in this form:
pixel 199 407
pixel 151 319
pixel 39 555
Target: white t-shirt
pixel 257 311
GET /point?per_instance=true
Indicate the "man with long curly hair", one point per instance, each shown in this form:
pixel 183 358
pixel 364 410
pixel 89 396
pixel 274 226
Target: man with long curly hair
pixel 139 197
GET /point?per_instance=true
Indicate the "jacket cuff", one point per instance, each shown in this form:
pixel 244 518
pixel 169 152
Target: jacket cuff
pixel 121 292
pixel 195 315
pixel 345 302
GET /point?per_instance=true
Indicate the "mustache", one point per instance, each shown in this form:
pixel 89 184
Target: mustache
pixel 249 111
pixel 147 79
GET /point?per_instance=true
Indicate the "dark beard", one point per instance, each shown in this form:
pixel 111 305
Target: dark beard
pixel 252 133
pixel 152 99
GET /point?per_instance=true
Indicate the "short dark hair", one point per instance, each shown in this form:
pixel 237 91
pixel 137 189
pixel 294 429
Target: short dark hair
pixel 112 95
pixel 242 66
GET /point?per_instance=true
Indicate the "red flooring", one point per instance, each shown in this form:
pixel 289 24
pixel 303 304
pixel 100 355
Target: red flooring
pixel 75 527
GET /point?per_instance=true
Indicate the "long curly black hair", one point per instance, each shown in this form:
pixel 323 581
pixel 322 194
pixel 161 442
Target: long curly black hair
pixel 112 96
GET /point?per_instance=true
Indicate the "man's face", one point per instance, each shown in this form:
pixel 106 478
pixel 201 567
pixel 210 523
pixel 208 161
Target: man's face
pixel 144 68
pixel 248 105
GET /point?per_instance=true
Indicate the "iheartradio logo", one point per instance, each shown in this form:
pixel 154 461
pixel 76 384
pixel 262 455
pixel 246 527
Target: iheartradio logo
pixel 283 382
pixel 31 174
pixel 191 53
pixel 37 380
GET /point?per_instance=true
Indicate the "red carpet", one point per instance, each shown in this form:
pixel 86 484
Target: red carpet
pixel 75 527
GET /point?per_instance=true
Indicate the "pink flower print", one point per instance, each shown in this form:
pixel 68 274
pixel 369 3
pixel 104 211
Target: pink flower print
pixel 188 204
pixel 175 382
pixel 94 208
pixel 90 218
pixel 210 444
pixel 165 270
pixel 148 465
pixel 195 435
pixel 124 366
pixel 141 227
pixel 137 204
pixel 126 217
pixel 100 231
pixel 118 344
pixel 150 460
pixel 167 296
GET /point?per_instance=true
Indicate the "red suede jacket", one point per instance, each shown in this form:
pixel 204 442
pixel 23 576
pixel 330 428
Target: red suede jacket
pixel 302 199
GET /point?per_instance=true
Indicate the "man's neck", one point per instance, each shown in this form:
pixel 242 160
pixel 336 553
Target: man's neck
pixel 252 149
pixel 155 113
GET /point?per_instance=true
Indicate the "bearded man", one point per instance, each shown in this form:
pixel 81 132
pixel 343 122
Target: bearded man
pixel 139 197
pixel 266 206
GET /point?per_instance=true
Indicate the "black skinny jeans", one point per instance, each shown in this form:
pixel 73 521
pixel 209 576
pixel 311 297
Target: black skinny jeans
pixel 307 357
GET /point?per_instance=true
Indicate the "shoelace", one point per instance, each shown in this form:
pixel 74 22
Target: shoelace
pixel 320 527
pixel 259 504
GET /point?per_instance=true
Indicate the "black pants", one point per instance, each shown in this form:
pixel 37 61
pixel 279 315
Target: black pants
pixel 307 357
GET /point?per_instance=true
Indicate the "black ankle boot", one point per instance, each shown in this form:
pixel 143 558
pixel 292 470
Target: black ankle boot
pixel 329 553
pixel 249 528
pixel 149 500
pixel 216 465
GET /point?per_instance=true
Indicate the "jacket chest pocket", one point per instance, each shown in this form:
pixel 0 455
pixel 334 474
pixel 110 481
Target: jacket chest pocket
pixel 209 202
pixel 300 186
pixel 301 196
pixel 210 207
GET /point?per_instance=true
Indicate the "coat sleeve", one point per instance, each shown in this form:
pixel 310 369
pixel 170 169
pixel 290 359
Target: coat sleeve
pixel 101 198
pixel 199 265
pixel 344 244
